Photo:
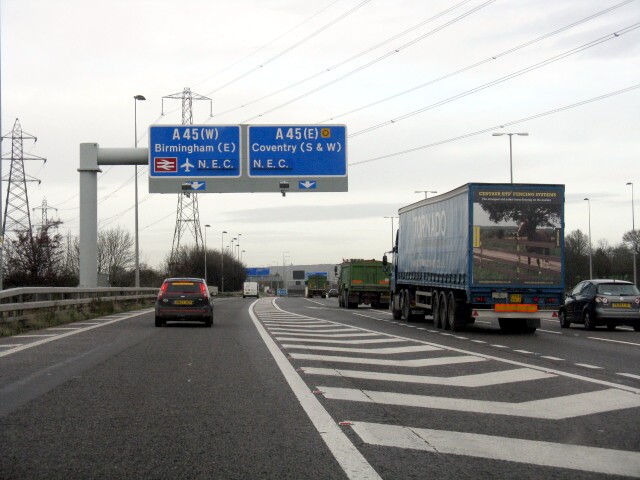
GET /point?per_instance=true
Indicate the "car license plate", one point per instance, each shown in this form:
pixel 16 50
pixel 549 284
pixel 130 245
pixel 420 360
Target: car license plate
pixel 183 302
pixel 516 298
pixel 621 305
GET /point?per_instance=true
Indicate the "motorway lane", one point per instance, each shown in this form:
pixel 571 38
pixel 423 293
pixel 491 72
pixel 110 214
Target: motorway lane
pixel 119 398
pixel 412 417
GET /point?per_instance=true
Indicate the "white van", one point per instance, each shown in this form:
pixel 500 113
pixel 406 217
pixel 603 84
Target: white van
pixel 250 289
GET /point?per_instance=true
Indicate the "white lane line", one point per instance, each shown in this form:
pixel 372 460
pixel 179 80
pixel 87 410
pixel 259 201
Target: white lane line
pixel 87 323
pixel 558 408
pixel 614 341
pixel 479 341
pixel 372 351
pixel 330 335
pixel 366 316
pixel 471 381
pixel 37 335
pixel 420 362
pixel 559 455
pixel 586 365
pixel 350 459
pixel 343 342
pixel 523 351
pixel 330 330
pixel 549 331
pixel 298 326
pixel 68 334
pixel 64 328
pixel 11 345
pixel 630 375
pixel 498 346
pixel 553 358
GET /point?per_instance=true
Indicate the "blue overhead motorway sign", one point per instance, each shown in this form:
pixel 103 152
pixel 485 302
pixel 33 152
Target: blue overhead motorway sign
pixel 297 151
pixel 194 151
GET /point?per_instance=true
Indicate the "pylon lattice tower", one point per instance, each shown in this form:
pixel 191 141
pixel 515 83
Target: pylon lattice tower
pixel 16 214
pixel 45 211
pixel 187 214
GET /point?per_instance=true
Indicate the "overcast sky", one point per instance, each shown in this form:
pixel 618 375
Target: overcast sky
pixel 420 85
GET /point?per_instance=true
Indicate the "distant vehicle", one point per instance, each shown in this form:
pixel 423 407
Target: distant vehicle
pixel 184 299
pixel 602 302
pixel 363 281
pixel 333 292
pixel 316 286
pixel 484 251
pixel 250 289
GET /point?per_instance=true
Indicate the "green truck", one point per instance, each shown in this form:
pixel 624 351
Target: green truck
pixel 363 282
pixel 316 286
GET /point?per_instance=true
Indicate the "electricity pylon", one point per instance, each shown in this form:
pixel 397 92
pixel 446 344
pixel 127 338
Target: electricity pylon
pixel 187 214
pixel 16 214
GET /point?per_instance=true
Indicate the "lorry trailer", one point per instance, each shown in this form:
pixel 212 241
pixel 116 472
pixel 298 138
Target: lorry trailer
pixel 316 285
pixel 481 251
pixel 363 282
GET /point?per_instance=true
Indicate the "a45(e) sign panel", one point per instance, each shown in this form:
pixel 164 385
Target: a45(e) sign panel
pixel 194 151
pixel 297 151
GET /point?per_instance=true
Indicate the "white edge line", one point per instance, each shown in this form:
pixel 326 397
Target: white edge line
pixel 497 359
pixel 63 335
pixel 614 341
pixel 347 455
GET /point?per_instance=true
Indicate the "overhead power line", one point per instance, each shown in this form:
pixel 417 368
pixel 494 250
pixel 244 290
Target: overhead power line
pixel 290 48
pixel 501 79
pixel 495 127
pixel 348 60
pixel 477 64
pixel 373 62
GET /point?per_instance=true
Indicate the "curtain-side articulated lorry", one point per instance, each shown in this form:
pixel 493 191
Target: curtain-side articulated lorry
pixel 363 282
pixel 481 251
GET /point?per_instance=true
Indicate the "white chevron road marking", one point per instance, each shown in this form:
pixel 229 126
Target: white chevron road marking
pixel 330 330
pixel 477 380
pixel 345 342
pixel 372 351
pixel 329 335
pixel 557 408
pixel 559 455
pixel 420 362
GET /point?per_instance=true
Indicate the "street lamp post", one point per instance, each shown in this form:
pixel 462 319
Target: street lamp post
pixel 510 149
pixel 590 260
pixel 238 246
pixel 635 243
pixel 135 134
pixel 392 230
pixel 426 192
pixel 205 252
pixel 222 263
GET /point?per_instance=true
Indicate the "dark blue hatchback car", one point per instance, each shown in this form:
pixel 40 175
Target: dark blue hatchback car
pixel 602 302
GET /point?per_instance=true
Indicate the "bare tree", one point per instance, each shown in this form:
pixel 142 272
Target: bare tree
pixel 115 254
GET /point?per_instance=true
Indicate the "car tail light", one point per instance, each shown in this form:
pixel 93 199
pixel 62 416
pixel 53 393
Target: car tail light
pixel 203 290
pixel 601 300
pixel 550 300
pixel 480 300
pixel 162 291
pixel 536 299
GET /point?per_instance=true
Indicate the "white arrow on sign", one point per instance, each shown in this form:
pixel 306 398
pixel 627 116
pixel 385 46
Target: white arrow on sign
pixel 307 184
pixel 197 185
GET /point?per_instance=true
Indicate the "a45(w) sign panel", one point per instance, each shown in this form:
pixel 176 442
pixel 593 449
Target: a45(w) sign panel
pixel 194 151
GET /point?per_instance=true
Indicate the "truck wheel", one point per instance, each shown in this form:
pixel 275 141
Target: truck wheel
pixel 435 309
pixel 455 314
pixel 395 311
pixel 444 311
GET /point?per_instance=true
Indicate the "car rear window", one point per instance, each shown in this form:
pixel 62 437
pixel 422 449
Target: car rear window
pixel 183 287
pixel 617 289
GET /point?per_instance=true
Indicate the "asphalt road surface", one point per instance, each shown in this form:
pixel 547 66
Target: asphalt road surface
pixel 299 388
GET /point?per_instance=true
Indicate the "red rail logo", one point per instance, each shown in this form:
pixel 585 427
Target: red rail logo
pixel 164 164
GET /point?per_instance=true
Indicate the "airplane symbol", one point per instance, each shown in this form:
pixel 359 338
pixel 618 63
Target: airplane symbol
pixel 187 165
